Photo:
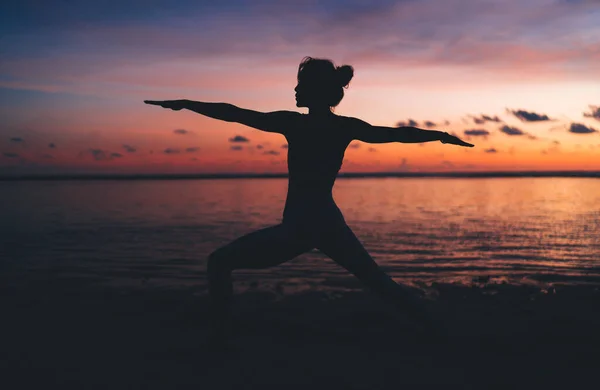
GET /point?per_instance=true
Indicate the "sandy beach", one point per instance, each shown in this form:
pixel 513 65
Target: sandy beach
pixel 73 333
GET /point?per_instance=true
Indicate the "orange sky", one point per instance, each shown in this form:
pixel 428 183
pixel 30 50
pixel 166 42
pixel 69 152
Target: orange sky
pixel 83 92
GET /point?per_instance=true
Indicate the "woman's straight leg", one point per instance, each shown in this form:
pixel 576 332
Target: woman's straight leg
pixel 343 247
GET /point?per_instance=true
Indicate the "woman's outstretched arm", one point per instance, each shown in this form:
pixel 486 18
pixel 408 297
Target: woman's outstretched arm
pixel 276 121
pixel 366 132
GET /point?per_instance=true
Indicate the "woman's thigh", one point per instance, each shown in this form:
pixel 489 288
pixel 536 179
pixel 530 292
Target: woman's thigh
pixel 263 248
pixel 341 244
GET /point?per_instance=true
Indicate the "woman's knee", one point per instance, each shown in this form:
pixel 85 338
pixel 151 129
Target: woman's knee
pixel 218 262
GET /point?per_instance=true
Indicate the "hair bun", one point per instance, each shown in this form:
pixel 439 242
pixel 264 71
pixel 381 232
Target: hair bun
pixel 344 74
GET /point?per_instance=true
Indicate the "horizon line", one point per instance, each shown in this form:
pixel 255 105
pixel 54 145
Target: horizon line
pixel 189 176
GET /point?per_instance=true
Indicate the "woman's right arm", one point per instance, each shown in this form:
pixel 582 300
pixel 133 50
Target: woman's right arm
pixel 275 121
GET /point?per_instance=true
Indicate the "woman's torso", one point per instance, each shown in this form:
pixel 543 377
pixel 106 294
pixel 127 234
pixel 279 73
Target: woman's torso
pixel 316 149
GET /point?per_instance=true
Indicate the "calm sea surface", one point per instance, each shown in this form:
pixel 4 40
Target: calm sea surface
pixel 514 230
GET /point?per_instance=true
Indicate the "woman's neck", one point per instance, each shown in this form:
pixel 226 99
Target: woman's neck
pixel 320 111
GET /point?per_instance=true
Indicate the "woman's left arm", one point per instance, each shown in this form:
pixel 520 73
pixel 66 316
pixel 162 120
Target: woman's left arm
pixel 366 132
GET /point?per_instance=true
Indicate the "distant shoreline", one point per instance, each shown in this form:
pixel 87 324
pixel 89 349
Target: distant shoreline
pixel 498 174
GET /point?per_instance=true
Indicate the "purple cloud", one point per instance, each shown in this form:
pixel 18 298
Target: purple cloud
pixel 480 120
pixel 594 112
pixel 477 132
pixel 129 148
pixel 511 130
pixel 528 116
pixel 409 122
pixel 507 40
pixel 578 128
pixel 239 138
pixel 99 154
pixel 181 131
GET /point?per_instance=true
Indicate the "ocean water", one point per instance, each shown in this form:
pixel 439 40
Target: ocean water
pixel 541 231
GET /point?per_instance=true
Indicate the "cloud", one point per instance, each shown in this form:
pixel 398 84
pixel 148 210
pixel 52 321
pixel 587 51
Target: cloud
pixel 259 147
pixel 17 140
pixel 477 132
pixel 239 138
pixel 192 149
pixel 553 148
pixel 355 145
pixel 48 156
pixel 429 124
pixel 237 147
pixel 172 151
pixel 485 118
pixel 52 145
pixel 516 40
pixel 99 154
pixel 511 130
pixel 272 152
pixel 578 128
pixel 410 122
pixel 182 131
pixel 284 146
pixel 129 148
pixel 528 116
pixel 491 150
pixel 371 149
pixel 194 159
pixel 10 155
pixel 594 112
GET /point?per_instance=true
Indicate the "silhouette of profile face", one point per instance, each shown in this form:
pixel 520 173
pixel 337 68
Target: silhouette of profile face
pixel 320 83
pixel 308 93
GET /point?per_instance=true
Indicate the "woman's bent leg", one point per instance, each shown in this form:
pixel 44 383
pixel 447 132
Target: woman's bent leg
pixel 263 248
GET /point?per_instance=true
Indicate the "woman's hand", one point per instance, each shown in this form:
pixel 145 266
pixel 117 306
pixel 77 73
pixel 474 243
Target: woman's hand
pixel 175 105
pixel 450 139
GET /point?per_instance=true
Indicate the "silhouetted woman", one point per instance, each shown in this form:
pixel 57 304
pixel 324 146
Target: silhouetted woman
pixel 316 145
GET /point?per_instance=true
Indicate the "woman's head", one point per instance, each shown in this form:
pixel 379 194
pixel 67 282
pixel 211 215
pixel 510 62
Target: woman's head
pixel 321 83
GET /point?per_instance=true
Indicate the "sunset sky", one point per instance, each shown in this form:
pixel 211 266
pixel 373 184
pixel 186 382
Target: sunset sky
pixel 519 79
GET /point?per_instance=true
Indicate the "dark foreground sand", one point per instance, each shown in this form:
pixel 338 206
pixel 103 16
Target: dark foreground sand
pixel 68 333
